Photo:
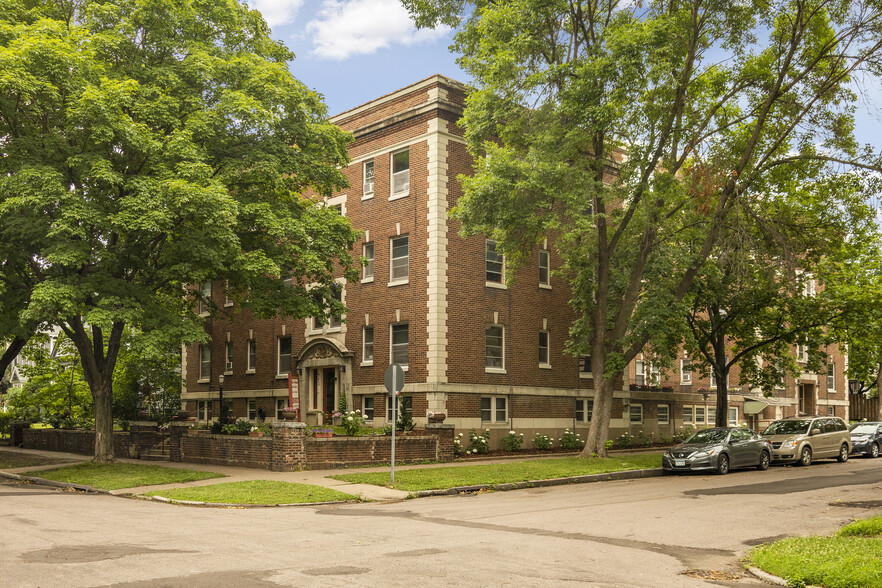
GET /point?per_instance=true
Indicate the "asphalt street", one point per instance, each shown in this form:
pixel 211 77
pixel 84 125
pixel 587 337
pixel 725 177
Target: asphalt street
pixel 669 531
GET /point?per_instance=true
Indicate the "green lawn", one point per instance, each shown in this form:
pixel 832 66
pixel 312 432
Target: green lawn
pixel 113 476
pixel 11 459
pixel 255 492
pixel 413 480
pixel 849 559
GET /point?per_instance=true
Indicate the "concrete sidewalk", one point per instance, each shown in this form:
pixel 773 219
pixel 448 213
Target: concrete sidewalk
pixel 313 477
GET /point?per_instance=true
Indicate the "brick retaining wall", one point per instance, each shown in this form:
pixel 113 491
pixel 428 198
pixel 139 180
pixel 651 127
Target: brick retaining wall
pixel 229 450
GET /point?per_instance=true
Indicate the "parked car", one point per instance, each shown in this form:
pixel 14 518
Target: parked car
pixel 719 449
pixel 866 438
pixel 801 439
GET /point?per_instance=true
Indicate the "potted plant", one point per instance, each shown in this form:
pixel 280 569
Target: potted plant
pixel 323 433
pixel 290 413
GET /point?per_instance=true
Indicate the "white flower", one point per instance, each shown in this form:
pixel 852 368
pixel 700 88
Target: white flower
pixel 511 432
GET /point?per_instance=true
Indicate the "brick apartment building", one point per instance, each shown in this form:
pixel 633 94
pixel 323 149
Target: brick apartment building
pixel 486 355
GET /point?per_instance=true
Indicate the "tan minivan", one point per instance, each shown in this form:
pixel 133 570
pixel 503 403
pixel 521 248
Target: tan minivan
pixel 801 439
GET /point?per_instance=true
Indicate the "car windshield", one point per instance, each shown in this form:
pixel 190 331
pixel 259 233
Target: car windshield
pixel 787 428
pixel 863 429
pixel 708 436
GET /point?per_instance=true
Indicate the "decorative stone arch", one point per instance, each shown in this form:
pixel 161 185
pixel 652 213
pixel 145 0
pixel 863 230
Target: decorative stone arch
pixel 314 362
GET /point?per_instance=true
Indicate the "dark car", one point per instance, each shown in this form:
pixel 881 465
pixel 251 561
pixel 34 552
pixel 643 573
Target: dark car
pixel 719 449
pixel 866 438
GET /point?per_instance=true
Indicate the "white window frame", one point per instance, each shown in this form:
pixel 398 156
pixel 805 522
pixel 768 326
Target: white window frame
pixel 498 258
pixel 279 372
pixel 252 357
pixel 227 300
pixel 367 271
pixel 494 369
pixel 733 422
pixel 711 415
pixel 281 404
pixel 368 190
pixel 497 404
pixel 204 363
pixel 397 281
pixel 688 412
pixel 686 374
pixel 402 177
pixel 585 360
pixel 547 363
pixel 202 410
pixel 392 344
pixel 546 267
pixel 365 344
pixel 367 412
pixel 586 411
pixel 403 401
pixel 666 409
pixel 251 407
pixel 228 357
pixel 831 375
pixel 639 415
pixel 801 353
pixel 640 372
pixel 203 307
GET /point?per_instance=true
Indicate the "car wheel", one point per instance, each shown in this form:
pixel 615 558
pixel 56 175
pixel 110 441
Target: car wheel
pixel 763 464
pixel 723 465
pixel 874 450
pixel 843 454
pixel 805 458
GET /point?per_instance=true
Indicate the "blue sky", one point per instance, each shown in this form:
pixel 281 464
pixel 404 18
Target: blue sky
pixel 352 51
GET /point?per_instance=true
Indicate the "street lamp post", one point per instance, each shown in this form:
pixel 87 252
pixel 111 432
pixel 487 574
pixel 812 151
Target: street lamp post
pixel 220 411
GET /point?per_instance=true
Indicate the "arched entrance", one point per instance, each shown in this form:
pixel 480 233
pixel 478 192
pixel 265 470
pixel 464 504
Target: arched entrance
pixel 325 375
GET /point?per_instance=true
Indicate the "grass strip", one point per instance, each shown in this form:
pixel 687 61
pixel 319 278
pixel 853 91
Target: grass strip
pixel 255 492
pixel 849 559
pixel 113 476
pixel 9 459
pixel 440 478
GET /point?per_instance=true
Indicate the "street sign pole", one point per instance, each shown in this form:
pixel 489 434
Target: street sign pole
pixel 394 383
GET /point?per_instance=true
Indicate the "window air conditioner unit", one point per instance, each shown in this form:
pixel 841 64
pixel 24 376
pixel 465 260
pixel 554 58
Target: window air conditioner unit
pixel 368 187
pixel 229 366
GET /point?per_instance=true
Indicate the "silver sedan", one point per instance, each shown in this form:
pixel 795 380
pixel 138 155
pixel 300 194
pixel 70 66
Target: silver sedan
pixel 719 449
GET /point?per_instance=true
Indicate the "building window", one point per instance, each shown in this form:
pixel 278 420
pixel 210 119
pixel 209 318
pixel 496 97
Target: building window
pixel 228 363
pixel 367 346
pixel 204 305
pixel 585 366
pixel 831 411
pixel 281 404
pixel 399 344
pixel 399 264
pixel 202 410
pixel 686 370
pixel 664 414
pixel 699 415
pixel 543 349
pixel 544 269
pixel 252 409
pixel 252 355
pixel 711 415
pixel 405 407
pixel 494 340
pixel 367 408
pixel 779 370
pixel 713 376
pixel 636 413
pixel 368 189
pixel 284 363
pixel 367 272
pixel 205 362
pixel 336 321
pixel 688 414
pixel 494 263
pixel 494 409
pixel 584 410
pixel 400 173
pixel 639 373
pixel 802 353
pixel 831 376
pixel 227 300
pixel 733 416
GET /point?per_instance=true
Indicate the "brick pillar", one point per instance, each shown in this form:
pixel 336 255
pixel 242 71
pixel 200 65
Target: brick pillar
pixel 289 448
pixel 444 433
pixel 142 436
pixel 176 432
pixel 16 432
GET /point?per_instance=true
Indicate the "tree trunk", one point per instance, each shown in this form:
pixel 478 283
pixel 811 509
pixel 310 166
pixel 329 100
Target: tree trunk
pixel 102 396
pixel 878 393
pixel 598 431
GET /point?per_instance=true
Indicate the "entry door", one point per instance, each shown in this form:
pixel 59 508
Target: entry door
pixel 330 380
pixel 807 399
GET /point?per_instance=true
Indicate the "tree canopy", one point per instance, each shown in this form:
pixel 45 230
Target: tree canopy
pixel 630 131
pixel 146 147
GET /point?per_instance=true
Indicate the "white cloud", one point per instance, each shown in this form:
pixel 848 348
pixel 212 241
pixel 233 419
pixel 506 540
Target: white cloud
pixel 277 12
pixel 344 28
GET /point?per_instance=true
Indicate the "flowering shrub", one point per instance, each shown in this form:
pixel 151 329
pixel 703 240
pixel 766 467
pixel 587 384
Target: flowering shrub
pixel 512 441
pixel 645 440
pixel 352 422
pixel 571 440
pixel 624 440
pixel 542 441
pixel 683 434
pixel 457 445
pixel 479 442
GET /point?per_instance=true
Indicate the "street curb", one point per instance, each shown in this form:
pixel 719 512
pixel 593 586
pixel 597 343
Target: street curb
pixel 586 479
pixel 53 483
pixel 165 500
pixel 772 578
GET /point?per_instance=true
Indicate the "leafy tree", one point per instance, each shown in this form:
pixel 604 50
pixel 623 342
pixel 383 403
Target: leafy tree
pixel 631 131
pixel 756 296
pixel 146 147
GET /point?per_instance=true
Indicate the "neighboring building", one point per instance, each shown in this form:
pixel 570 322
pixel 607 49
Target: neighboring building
pixel 485 354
